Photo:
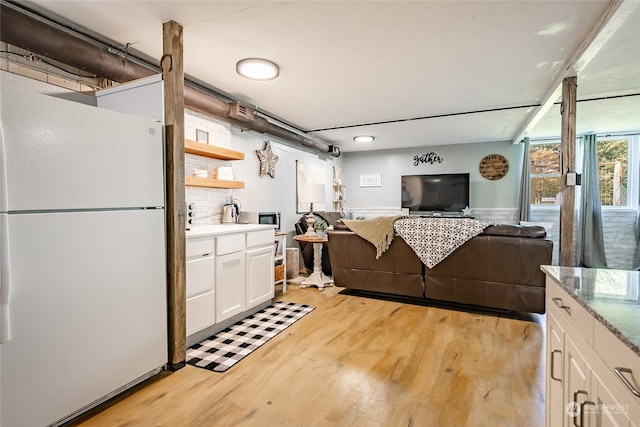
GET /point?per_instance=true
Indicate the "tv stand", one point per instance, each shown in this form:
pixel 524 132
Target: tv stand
pixel 438 214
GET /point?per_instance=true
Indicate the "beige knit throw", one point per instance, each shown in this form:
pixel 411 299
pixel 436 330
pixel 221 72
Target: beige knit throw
pixel 377 231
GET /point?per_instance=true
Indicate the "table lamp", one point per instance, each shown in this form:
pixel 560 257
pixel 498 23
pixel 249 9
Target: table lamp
pixel 311 193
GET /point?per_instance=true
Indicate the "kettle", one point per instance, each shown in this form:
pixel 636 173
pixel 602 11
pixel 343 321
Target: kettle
pixel 230 213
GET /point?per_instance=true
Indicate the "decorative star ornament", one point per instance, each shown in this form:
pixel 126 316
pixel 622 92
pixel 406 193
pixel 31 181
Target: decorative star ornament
pixel 268 160
pixel 466 211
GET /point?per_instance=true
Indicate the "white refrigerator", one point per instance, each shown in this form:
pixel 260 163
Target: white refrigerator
pixel 82 256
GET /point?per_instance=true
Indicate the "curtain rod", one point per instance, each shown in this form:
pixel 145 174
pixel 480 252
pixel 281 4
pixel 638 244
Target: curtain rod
pixel 600 135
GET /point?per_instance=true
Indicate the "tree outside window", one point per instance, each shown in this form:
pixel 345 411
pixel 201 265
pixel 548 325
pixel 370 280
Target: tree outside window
pixel 613 157
pixel 545 174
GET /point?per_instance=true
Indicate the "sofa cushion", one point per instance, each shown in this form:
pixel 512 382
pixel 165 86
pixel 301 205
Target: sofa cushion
pixel 510 230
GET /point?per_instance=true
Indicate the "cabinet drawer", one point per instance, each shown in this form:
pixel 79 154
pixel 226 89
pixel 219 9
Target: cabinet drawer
pixel 576 315
pixel 616 354
pixel 229 243
pixel 200 275
pixel 201 312
pixel 197 246
pixel 260 238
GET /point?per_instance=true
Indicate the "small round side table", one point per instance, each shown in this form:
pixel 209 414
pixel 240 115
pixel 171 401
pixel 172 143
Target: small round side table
pixel 317 277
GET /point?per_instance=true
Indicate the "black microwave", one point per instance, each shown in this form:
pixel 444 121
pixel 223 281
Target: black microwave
pixel 271 218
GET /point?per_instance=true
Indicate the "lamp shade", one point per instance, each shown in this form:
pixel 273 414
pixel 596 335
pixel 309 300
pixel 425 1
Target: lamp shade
pixel 311 193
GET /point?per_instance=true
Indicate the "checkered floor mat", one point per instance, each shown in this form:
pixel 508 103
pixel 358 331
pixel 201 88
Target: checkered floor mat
pixel 223 350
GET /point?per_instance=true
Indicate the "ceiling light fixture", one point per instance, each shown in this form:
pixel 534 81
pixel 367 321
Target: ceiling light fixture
pixel 257 69
pixel 363 138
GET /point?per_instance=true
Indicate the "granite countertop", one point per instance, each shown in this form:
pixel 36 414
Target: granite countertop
pixel 611 296
pixel 219 229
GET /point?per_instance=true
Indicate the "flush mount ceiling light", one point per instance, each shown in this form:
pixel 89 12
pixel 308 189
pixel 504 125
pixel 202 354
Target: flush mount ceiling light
pixel 257 69
pixel 363 138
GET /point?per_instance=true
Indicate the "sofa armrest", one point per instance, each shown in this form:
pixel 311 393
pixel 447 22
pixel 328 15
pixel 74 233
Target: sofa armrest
pixel 511 230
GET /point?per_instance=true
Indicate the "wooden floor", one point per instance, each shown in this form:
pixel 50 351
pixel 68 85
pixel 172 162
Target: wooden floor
pixel 360 361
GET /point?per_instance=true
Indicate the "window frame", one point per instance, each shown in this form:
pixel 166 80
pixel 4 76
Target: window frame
pixel 633 174
pixel 545 175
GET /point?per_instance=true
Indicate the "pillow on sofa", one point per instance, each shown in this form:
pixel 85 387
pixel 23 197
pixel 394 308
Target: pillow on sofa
pixel 533 231
pixel 339 225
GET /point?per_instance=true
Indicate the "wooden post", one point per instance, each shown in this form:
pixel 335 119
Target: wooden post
pixel 173 77
pixel 568 164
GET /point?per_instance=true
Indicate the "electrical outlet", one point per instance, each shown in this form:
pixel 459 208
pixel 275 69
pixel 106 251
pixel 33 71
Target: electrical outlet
pixel 190 213
pixel 571 178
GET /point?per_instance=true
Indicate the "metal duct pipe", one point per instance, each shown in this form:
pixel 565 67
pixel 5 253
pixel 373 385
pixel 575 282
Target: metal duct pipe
pixel 31 34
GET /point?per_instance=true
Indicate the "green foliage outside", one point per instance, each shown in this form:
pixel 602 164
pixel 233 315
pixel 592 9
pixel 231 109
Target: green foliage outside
pixel 545 172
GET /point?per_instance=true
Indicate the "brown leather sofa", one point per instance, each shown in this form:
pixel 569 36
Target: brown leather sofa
pixel 499 269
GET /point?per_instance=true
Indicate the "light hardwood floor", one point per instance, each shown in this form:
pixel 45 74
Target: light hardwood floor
pixel 361 361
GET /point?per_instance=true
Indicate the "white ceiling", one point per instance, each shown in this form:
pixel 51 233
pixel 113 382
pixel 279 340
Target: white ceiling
pixel 347 63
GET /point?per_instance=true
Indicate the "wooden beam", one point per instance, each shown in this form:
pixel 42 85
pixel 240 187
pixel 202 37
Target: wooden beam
pixel 568 165
pixel 173 77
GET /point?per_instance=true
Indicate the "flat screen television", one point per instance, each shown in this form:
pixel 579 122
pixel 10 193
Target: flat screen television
pixel 435 193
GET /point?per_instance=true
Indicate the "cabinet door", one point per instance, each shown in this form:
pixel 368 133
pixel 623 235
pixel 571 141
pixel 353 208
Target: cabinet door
pixel 259 275
pixel 608 411
pixel 555 373
pixel 201 308
pixel 230 285
pixel 577 380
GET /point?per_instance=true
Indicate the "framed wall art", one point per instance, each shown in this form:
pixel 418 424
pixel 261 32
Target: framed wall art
pixel 371 180
pixel 308 174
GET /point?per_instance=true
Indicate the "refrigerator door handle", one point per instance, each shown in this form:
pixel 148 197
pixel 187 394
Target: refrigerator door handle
pixel 5 326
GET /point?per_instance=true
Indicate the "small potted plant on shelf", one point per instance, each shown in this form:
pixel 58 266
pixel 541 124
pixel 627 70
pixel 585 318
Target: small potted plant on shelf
pixel 320 227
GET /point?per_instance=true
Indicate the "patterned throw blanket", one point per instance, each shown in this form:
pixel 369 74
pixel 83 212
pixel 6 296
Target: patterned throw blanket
pixel 433 239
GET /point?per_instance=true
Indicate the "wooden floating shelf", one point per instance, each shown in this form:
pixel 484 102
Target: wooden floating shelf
pixel 200 149
pixel 195 181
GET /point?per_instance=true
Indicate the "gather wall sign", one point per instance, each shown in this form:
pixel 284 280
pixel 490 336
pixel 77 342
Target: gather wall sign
pixel 428 158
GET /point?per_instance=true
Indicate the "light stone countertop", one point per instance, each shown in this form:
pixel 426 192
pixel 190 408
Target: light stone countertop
pixel 219 229
pixel 611 296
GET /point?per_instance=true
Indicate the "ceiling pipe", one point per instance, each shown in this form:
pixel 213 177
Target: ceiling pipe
pixel 41 38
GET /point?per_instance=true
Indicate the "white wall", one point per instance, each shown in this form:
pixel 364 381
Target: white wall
pixel 618 227
pixel 492 201
pixel 276 194
pixel 260 193
pixel 462 158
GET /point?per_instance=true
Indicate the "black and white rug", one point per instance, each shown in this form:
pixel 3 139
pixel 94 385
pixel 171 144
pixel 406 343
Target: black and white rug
pixel 223 350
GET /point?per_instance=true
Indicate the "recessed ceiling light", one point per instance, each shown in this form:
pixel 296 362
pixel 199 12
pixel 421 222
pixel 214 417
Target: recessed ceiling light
pixel 257 69
pixel 363 138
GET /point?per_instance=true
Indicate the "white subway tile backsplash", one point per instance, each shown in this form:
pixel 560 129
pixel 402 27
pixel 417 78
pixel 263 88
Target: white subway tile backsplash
pixel 207 202
pixel 219 132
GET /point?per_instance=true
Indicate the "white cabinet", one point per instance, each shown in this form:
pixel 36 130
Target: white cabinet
pixel 229 272
pixel 577 381
pixel 259 275
pixel 260 253
pixel 583 389
pixel 230 285
pixel 200 271
pixel 555 350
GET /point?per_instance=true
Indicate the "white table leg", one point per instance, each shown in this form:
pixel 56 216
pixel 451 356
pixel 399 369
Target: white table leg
pixel 317 278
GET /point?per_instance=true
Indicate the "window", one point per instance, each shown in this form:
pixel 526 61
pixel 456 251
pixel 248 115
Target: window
pixel 613 156
pixel 618 176
pixel 545 173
